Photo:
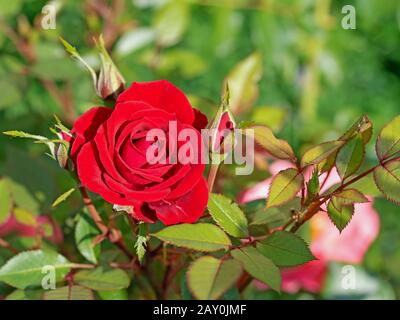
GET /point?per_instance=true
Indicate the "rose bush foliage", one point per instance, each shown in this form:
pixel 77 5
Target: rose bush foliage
pixel 175 220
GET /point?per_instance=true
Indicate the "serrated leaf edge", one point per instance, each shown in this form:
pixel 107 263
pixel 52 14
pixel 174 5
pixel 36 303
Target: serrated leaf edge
pixel 384 193
pixel 305 243
pixel 232 203
pixel 291 198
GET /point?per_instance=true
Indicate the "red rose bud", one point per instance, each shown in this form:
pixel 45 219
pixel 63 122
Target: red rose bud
pixel 225 126
pixel 110 82
pixel 221 128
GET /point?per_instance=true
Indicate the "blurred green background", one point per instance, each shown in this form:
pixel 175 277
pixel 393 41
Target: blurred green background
pixel 299 71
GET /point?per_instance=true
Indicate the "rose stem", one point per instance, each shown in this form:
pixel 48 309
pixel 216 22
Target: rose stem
pixel 211 176
pixel 314 208
pixel 93 211
pixel 99 223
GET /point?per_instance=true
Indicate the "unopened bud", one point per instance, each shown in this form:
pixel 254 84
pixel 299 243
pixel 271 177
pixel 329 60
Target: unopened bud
pixel 110 82
pixel 61 150
pixel 222 127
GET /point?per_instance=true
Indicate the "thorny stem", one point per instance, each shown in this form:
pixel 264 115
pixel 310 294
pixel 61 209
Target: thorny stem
pixel 105 231
pixel 93 211
pixel 315 206
pixel 382 163
pixel 312 209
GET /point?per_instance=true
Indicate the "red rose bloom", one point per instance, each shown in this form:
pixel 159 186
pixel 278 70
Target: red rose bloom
pixel 109 152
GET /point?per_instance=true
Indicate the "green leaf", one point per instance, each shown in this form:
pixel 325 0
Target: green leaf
pixel 71 50
pixel 26 268
pixel 259 266
pixel 209 277
pixel 62 197
pixel 367 186
pixel 388 141
pixel 327 164
pixel 17 295
pixel 313 187
pixel 351 195
pixel 69 293
pixel 27 294
pixel 200 236
pixel 387 179
pixel 170 22
pixel 113 295
pixel 243 82
pixel 122 223
pixel 275 217
pixel 23 198
pixel 276 147
pixel 228 215
pixel 350 157
pixel 320 152
pixel 24 216
pixel 285 249
pixel 85 233
pixel 271 116
pixel 22 134
pixel 5 201
pixel 284 187
pixel 103 280
pixel 362 126
pixel 340 212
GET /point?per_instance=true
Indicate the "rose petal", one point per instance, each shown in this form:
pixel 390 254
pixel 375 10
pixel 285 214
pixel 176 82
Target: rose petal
pixel 200 119
pixel 130 194
pixel 90 175
pixel 85 127
pixel 160 94
pixel 142 212
pixel 309 276
pixel 186 209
